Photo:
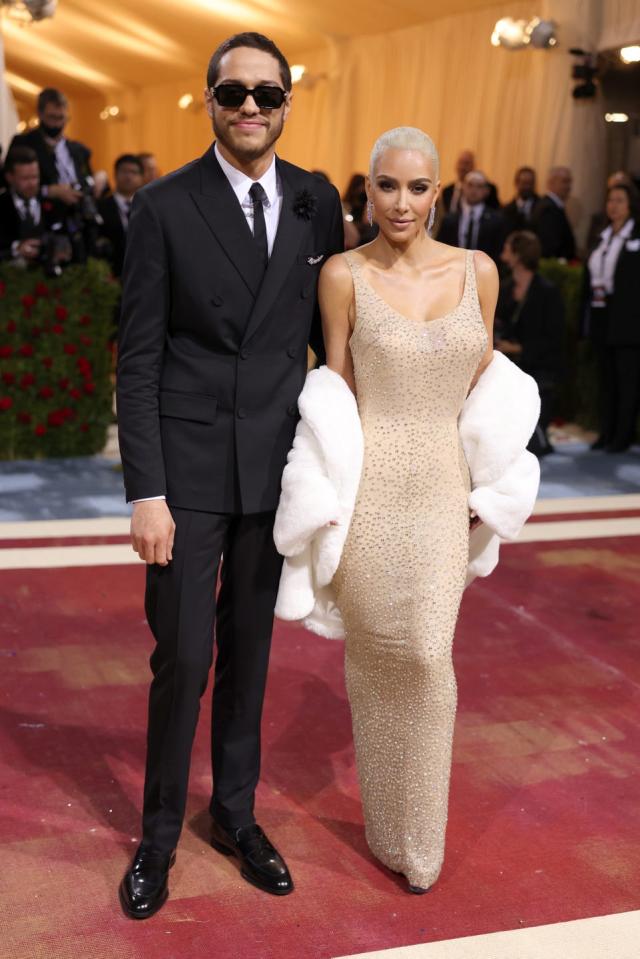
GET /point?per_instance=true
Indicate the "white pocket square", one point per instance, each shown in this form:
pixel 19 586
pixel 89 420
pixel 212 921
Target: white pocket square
pixel 633 245
pixel 312 260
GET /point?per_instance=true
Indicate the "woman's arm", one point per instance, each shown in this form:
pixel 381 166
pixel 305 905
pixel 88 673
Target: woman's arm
pixel 335 296
pixel 487 283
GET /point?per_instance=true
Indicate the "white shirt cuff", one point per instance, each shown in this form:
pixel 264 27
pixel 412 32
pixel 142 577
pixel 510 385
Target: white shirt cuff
pixel 146 499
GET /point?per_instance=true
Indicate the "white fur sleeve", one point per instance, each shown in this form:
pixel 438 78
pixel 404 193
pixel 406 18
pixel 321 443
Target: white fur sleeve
pixel 308 500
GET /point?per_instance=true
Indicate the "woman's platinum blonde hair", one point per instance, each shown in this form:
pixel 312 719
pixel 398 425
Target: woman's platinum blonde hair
pixel 404 138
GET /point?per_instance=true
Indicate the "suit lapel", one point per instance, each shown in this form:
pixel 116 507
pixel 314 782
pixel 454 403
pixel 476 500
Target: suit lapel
pixel 291 230
pixel 219 207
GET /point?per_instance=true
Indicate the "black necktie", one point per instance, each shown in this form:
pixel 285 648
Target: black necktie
pixel 468 240
pixel 28 221
pixel 28 217
pixel 258 195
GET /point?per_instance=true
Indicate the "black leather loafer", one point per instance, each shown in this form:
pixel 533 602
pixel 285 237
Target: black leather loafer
pixel 144 888
pixel 260 863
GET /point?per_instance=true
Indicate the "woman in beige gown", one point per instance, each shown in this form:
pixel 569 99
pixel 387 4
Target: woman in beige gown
pixel 407 323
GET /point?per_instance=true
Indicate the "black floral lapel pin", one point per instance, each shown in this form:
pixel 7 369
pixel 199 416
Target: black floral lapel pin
pixel 305 205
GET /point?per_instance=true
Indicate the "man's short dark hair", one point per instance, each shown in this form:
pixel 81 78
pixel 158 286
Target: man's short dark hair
pixel 256 41
pixel 19 156
pixel 145 156
pixel 525 169
pixel 526 246
pixel 51 95
pixel 132 158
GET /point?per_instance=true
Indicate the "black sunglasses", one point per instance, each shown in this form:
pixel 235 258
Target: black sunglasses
pixel 234 95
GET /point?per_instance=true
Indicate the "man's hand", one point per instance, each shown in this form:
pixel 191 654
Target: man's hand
pixel 29 249
pixel 64 192
pixel 152 531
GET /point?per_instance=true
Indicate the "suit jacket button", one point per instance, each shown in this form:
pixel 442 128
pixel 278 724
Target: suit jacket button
pixel 292 351
pixel 241 413
pixel 292 410
pixel 244 354
pixel 217 300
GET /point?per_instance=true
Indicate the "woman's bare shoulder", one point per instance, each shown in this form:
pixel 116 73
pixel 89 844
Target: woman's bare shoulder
pixel 486 270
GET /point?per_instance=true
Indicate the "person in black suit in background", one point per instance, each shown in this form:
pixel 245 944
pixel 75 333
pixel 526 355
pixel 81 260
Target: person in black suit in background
pixel 64 164
pixel 612 314
pixel 452 193
pixel 549 220
pixel 219 304
pixel 530 325
pixel 518 213
pixel 474 226
pixel 27 219
pixel 115 209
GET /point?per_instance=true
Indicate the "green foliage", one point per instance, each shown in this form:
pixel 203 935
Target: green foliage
pixel 577 398
pixel 55 360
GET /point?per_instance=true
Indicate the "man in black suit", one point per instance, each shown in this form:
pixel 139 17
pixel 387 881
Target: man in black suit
pixel 474 226
pixel 452 193
pixel 64 164
pixel 550 221
pixel 115 209
pixel 517 214
pixel 26 217
pixel 219 303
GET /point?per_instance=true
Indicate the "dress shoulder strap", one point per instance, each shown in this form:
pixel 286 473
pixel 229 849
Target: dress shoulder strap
pixel 470 280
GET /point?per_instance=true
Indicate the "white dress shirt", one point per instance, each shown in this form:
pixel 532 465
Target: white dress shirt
pixel 241 184
pixel 124 208
pixel 604 259
pixel 467 211
pixel 22 206
pixel 272 204
pixel 64 163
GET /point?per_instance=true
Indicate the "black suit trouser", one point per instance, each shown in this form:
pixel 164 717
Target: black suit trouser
pixel 181 609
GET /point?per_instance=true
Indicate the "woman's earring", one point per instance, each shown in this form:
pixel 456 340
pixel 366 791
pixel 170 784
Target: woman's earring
pixel 432 216
pixel 370 212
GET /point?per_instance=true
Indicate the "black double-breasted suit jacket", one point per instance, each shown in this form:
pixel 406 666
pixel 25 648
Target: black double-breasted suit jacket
pixel 213 354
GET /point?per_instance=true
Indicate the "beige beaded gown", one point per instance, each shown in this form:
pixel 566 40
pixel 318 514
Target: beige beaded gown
pixel 403 568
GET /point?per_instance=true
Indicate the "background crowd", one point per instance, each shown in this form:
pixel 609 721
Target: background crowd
pixel 54 210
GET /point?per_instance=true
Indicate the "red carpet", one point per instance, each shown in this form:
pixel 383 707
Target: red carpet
pixel 544 818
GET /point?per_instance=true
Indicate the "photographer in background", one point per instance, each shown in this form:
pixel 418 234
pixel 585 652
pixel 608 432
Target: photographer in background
pixel 33 229
pixel 65 170
pixel 115 209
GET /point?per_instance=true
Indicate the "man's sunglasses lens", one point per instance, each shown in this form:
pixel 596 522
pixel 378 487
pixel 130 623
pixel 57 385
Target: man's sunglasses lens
pixel 234 95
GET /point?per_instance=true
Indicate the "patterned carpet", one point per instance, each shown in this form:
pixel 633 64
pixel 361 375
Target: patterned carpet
pixel 544 817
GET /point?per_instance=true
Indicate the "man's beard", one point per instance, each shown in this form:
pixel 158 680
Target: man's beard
pixel 249 154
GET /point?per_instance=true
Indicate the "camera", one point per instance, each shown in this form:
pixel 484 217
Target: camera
pixel 55 252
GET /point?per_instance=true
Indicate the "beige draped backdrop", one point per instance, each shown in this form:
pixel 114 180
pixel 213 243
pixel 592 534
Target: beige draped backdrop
pixel 511 107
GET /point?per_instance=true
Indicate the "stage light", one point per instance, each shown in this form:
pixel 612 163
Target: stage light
pixel 517 34
pixel 111 113
pixel 542 33
pixel 29 10
pixel 185 101
pixel 510 34
pixel 630 54
pixel 298 70
pixel 616 117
